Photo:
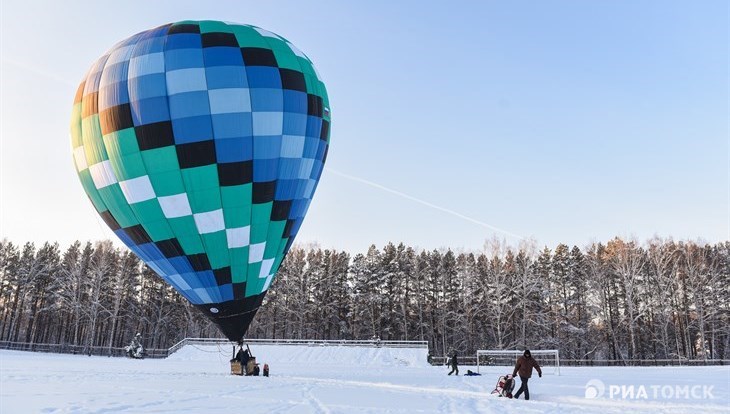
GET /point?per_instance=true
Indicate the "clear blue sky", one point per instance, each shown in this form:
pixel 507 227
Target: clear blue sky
pixel 562 121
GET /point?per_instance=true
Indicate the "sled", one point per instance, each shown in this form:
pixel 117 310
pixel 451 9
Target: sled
pixel 139 353
pixel 505 386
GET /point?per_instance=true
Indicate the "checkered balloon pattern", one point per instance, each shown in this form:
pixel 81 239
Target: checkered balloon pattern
pixel 200 144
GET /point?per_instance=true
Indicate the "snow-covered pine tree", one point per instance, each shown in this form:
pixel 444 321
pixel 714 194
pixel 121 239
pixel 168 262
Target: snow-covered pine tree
pixel 40 298
pixel 577 322
pixel 367 278
pixel 9 264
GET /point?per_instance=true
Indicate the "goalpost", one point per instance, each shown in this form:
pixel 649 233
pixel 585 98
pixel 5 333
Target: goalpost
pixel 549 359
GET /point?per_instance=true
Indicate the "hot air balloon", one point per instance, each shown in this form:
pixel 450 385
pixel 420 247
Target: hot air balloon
pixel 200 144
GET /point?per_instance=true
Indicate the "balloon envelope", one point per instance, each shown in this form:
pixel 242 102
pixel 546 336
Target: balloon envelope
pixel 200 144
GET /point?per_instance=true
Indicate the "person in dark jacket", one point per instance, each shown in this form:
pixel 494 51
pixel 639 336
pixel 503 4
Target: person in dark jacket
pixel 242 356
pixel 454 362
pixel 524 367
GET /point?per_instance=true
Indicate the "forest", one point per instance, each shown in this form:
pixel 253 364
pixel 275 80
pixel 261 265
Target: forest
pixel 622 300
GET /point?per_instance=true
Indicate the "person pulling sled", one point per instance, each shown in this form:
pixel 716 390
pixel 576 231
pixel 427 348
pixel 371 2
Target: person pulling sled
pixel 524 366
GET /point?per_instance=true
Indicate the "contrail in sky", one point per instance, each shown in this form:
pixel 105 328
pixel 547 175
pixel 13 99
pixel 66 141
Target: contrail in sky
pixel 425 203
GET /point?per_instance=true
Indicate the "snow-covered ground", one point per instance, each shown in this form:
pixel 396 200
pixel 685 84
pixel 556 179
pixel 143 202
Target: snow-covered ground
pixel 336 380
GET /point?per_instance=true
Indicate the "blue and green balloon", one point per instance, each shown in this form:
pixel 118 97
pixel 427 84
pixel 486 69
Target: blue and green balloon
pixel 200 144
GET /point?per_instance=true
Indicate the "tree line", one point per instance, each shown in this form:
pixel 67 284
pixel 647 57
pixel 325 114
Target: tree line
pixel 621 300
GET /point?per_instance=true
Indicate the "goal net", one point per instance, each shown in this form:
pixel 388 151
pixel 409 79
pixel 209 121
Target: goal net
pixel 502 362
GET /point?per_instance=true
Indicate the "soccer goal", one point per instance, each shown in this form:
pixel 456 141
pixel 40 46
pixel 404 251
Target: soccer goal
pixel 549 360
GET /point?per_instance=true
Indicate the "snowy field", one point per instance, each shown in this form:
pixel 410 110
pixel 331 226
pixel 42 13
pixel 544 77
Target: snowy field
pixel 336 380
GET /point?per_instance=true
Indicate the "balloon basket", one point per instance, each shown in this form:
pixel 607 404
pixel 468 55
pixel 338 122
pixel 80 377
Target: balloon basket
pixel 252 368
pixel 236 368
